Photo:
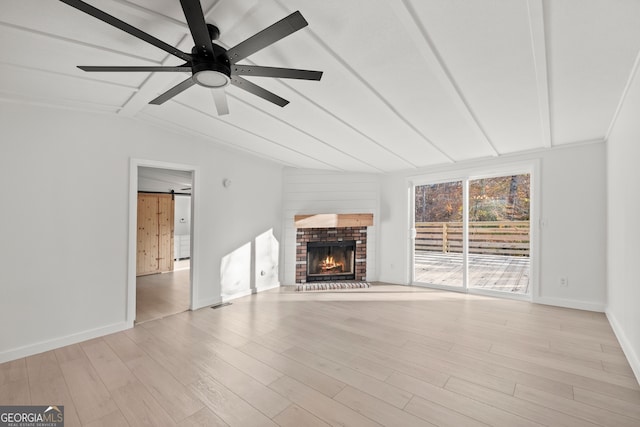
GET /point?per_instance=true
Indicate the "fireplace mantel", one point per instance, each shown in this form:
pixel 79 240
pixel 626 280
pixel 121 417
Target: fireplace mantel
pixel 333 220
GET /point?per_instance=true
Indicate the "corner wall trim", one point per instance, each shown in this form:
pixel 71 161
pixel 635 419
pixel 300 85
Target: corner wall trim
pixel 40 347
pixel 632 357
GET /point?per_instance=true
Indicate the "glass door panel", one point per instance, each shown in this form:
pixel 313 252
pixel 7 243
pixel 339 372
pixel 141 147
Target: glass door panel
pixel 438 241
pixel 499 236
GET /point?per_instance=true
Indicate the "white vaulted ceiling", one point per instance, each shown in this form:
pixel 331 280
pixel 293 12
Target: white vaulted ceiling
pixel 406 84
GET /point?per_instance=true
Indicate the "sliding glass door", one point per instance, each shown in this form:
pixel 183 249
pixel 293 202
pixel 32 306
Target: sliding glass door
pixel 474 233
pixel 499 243
pixel 438 243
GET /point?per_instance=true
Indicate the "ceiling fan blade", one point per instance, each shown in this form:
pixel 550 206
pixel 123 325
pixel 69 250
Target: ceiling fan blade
pixel 90 68
pixel 195 19
pixel 220 99
pixel 269 35
pixel 180 87
pixel 285 73
pixel 258 91
pixel 111 20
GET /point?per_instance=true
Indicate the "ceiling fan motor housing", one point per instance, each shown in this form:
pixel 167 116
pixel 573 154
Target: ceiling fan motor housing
pixel 211 72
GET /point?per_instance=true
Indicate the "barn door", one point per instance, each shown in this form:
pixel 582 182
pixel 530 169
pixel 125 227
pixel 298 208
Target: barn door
pixel 155 233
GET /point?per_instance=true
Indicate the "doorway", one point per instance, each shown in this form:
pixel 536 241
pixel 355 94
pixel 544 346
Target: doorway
pixel 161 250
pixel 474 233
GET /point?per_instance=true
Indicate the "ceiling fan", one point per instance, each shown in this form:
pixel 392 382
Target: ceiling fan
pixel 210 65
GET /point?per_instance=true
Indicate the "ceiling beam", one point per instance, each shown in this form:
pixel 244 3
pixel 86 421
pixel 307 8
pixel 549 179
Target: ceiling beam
pixel 407 15
pixel 540 60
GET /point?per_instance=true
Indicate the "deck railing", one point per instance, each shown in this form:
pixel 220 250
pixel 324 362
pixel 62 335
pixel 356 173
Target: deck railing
pixel 485 237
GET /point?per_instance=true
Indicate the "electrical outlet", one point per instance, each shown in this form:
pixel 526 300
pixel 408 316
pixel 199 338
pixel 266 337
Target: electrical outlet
pixel 563 282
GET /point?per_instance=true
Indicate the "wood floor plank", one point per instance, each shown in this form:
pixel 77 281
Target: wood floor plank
pixel 114 419
pixel 160 295
pixel 247 364
pixel 376 409
pixel 252 391
pixel 54 391
pixel 111 369
pixel 173 360
pixel 609 403
pixel 318 381
pixel 205 321
pixel 321 342
pixel 124 347
pixel 295 416
pixel 345 353
pixel 177 399
pixel 564 365
pixel 70 352
pixel 15 370
pixel 440 415
pixel 575 408
pixel 89 394
pixel 203 418
pixel 458 403
pixel 48 386
pixel 15 393
pixel 328 410
pixel 447 363
pixel 603 386
pixel 514 405
pixel 43 367
pixel 619 368
pixel 139 407
pixel 227 405
pixel 386 392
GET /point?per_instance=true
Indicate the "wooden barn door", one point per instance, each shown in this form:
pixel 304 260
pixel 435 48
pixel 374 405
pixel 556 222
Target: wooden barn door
pixel 155 233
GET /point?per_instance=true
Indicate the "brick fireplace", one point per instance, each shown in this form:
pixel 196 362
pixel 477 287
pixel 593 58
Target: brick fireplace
pixel 331 247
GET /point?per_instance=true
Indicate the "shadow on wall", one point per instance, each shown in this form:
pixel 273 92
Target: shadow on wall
pixel 251 268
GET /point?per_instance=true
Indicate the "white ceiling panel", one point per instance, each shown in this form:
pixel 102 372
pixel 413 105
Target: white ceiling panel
pixel 593 45
pixel 407 83
pixel 487 47
pixel 178 116
pixel 37 83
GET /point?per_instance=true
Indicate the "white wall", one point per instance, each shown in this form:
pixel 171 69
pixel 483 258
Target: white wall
pixel 63 261
pixel 623 173
pixel 182 216
pixel 313 192
pixel 572 241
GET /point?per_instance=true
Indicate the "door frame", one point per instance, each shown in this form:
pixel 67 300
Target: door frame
pixel 531 167
pixel 133 228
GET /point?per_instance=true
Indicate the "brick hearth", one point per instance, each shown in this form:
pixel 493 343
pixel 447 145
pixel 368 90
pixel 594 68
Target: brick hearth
pixel 339 234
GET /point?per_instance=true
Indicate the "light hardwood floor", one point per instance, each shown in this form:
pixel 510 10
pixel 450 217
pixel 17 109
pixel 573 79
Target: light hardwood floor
pixel 387 355
pixel 161 295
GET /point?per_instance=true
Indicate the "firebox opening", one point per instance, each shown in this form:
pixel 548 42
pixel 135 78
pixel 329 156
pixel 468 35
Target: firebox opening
pixel 328 261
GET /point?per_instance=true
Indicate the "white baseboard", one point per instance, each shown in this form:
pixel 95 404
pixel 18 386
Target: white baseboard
pixel 632 357
pixel 248 292
pixel 568 303
pixel 42 346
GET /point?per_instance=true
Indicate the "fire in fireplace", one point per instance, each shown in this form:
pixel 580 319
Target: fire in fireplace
pixel 331 261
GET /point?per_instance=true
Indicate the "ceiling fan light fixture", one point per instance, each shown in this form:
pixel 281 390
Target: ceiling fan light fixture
pixel 211 79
